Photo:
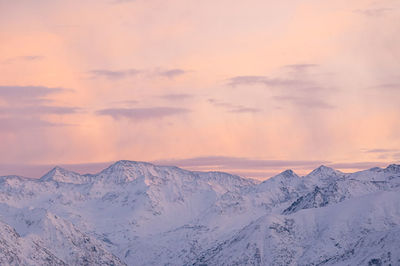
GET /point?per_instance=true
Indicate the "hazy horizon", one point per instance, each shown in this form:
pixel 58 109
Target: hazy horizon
pixel 37 171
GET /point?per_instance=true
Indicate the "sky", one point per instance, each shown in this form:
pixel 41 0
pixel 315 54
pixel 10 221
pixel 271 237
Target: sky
pixel 248 87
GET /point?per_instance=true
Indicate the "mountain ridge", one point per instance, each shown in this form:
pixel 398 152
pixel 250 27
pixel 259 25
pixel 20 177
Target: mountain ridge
pixel 129 164
pixel 144 214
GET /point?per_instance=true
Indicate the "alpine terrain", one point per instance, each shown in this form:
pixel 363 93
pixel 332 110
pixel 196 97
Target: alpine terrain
pixel 136 213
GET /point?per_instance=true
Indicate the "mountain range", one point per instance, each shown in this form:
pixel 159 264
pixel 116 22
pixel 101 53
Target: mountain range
pixel 137 213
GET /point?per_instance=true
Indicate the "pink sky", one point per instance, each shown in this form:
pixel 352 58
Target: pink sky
pixel 249 87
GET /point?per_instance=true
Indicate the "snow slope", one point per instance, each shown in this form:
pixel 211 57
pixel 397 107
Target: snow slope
pixel 15 250
pixel 142 214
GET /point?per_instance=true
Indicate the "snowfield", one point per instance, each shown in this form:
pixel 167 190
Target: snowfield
pixel 136 213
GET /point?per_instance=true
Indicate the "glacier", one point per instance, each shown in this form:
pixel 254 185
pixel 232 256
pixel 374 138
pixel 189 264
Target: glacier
pixel 137 213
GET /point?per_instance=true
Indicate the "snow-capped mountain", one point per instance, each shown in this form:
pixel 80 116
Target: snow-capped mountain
pixel 137 213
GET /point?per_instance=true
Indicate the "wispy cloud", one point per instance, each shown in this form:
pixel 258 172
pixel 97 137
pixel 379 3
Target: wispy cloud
pixel 296 78
pixel 298 87
pixel 13 124
pixel 381 150
pixel 233 108
pixel 382 153
pixel 300 67
pixel 38 110
pixel 126 102
pixel 374 12
pixel 357 165
pixel 142 113
pixel 23 107
pixel 176 96
pixel 32 57
pixel 122 1
pixel 33 94
pixel 114 74
pixel 387 86
pixel 267 81
pixel 244 110
pixel 306 102
pixel 133 72
pixel 171 73
pixel 25 58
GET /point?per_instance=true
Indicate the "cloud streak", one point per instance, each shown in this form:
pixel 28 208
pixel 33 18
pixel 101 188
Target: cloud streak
pixel 374 12
pixel 122 1
pixel 32 94
pixel 233 108
pixel 357 165
pixel 297 78
pixel 305 102
pixel 176 96
pixel 38 110
pixel 23 107
pixel 298 87
pixel 388 86
pixel 115 74
pixel 13 124
pixel 133 72
pixel 381 150
pixel 138 114
pixel 384 153
pixel 300 67
pixel 26 58
pixel 244 110
pixel 267 81
pixel 171 73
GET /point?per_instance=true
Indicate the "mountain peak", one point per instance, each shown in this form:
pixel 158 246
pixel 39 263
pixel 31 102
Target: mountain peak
pixel 60 174
pixel 55 171
pixel 324 171
pixel 323 167
pixel 322 176
pixel 393 168
pixel 287 178
pixel 59 169
pixel 125 171
pixel 288 174
pixel 126 164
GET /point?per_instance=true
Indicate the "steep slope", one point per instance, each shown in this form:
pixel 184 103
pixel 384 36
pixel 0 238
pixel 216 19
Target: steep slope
pixel 333 187
pixel 58 236
pixel 15 250
pixel 361 231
